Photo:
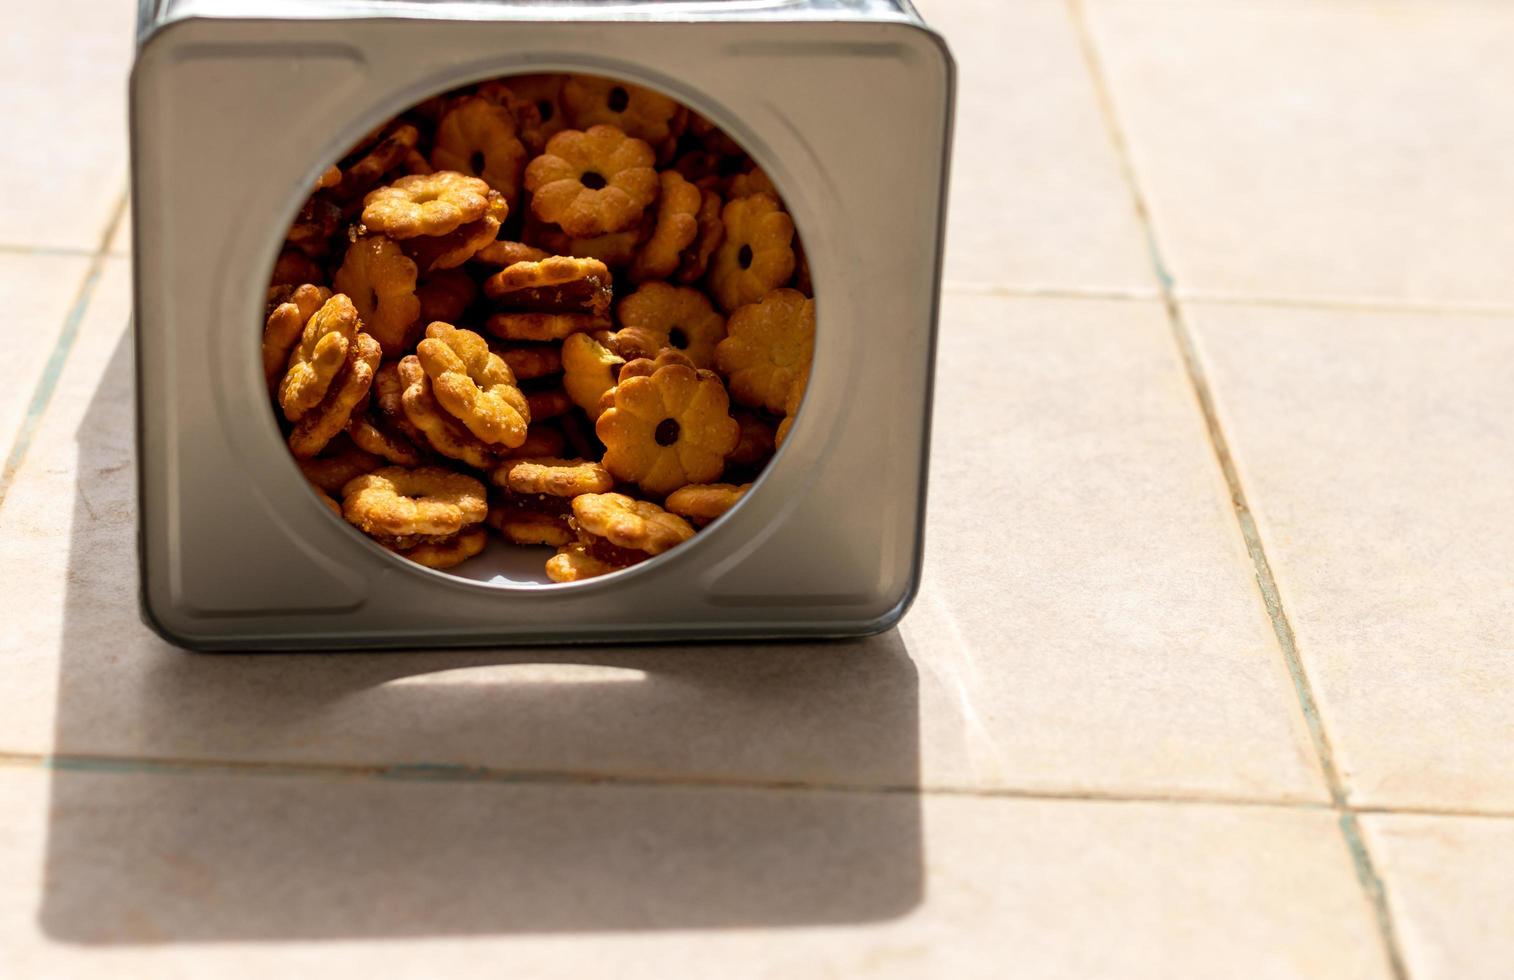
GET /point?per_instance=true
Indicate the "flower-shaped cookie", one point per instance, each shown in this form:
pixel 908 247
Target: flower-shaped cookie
pixel 425 204
pixel 293 308
pixel 676 229
pixel 754 181
pixel 449 553
pixel 592 182
pixel 557 284
pixel 668 429
pixel 319 355
pixel 574 563
pixel 702 503
pixel 695 260
pixel 553 476
pixel 659 315
pixel 534 100
pixel 380 280
pixel 477 137
pixel 320 424
pixel 397 503
pixel 625 522
pixel 459 245
pixel 756 255
pixel 438 429
pixel 589 370
pixel 474 385
pixel 591 100
pixel 768 345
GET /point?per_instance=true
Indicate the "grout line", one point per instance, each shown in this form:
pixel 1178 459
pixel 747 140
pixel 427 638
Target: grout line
pixel 51 372
pixel 1048 292
pixel 74 251
pixel 1361 859
pixel 1137 294
pixel 458 773
pixel 1345 305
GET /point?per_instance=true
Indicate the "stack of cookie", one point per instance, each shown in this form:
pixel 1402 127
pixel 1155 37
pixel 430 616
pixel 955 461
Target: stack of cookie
pixel 560 307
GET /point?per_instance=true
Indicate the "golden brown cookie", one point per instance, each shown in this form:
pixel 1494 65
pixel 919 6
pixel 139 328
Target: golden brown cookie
pixel 553 476
pixel 478 137
pixel 527 527
pixel 473 385
pixel 285 324
pixel 659 315
pixel 318 357
pixel 768 345
pixel 425 204
pixel 695 260
pixel 320 424
pixel 535 102
pixel 380 280
pixel 592 100
pixel 592 182
pixel 589 370
pixel 754 181
pixel 756 255
pixel 395 502
pixel 669 429
pixel 443 433
pixel 573 563
pixel 449 553
pixel 557 284
pixel 370 432
pixel 676 229
pixel 702 503
pixel 638 525
pixel 459 245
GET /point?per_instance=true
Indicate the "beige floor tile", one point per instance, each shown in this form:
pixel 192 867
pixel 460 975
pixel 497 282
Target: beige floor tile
pixel 1448 885
pixel 63 99
pixel 1037 198
pixel 1088 619
pixel 1378 457
pixel 1344 150
pixel 36 292
pixel 184 875
pixel 1088 600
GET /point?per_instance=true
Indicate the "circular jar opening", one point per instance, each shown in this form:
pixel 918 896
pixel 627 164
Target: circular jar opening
pixel 539 329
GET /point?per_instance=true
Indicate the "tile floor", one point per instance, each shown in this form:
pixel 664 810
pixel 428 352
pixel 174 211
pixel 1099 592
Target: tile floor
pixel 1211 676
